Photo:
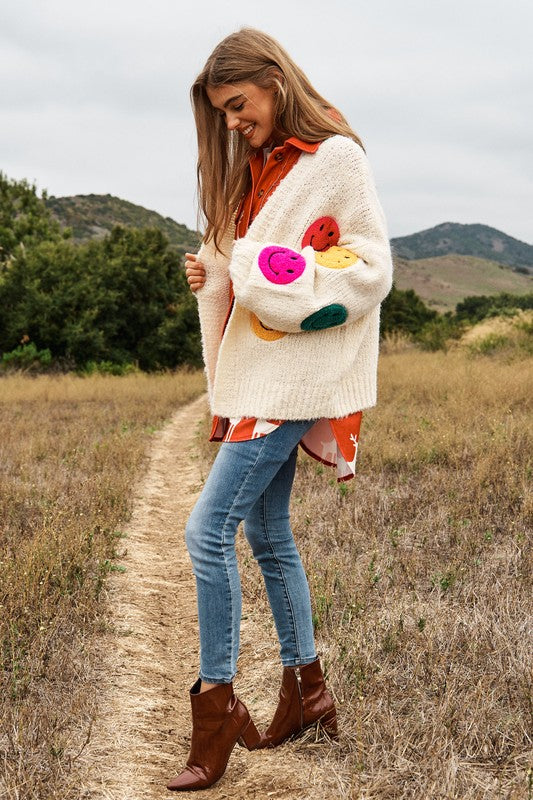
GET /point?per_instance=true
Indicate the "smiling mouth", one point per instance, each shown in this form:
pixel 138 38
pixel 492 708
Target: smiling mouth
pixel 247 131
pixel 321 249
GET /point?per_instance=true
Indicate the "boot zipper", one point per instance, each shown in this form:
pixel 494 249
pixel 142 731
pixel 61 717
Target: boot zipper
pixel 299 685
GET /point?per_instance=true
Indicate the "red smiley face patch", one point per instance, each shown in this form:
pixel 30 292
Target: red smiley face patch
pixel 321 234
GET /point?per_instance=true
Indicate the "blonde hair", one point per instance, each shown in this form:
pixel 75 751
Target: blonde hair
pixel 250 56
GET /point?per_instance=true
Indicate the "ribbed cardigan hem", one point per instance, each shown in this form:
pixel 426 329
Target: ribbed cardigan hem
pixel 298 404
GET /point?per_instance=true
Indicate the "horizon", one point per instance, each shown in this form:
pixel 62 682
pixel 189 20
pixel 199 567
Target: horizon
pixel 178 222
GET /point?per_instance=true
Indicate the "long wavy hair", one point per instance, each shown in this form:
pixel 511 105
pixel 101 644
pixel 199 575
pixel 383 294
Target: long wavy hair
pixel 250 56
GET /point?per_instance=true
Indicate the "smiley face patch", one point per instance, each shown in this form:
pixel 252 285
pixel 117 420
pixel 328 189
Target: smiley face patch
pixel 280 264
pixel 336 258
pixel 262 331
pixel 327 317
pixel 321 234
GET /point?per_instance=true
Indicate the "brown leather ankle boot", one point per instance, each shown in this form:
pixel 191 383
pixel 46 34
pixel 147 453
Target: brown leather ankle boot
pixel 219 720
pixel 304 701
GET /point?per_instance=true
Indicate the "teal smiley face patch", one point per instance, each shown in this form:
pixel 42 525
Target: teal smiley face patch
pixel 326 317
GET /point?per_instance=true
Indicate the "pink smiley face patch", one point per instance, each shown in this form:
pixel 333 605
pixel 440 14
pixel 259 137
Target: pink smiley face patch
pixel 321 234
pixel 280 264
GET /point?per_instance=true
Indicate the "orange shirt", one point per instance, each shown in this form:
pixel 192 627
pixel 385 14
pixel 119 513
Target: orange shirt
pixel 335 441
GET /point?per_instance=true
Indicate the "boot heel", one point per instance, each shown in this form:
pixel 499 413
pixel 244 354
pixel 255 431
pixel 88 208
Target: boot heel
pixel 328 724
pixel 250 736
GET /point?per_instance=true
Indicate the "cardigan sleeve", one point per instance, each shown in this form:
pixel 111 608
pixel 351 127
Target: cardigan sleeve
pixel 213 301
pixel 300 289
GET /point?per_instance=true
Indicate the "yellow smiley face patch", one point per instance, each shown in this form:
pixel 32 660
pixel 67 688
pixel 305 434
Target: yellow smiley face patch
pixel 336 258
pixel 263 331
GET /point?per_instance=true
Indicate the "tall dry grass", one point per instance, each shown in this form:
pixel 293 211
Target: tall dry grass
pixel 420 573
pixel 70 450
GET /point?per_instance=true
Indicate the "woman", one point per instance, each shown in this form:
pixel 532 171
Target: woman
pixel 293 267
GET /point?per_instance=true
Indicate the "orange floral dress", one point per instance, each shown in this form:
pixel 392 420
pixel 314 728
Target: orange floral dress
pixel 331 441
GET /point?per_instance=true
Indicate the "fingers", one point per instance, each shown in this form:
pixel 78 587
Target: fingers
pixel 195 272
pixel 195 285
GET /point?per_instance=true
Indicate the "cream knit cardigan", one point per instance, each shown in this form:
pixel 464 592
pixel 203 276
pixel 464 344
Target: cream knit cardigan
pixel 305 374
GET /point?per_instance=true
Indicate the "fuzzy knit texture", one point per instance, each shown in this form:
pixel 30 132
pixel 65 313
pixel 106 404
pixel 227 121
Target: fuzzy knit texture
pixel 305 373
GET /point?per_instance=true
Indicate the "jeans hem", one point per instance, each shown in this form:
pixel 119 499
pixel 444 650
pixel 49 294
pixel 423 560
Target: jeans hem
pixel 298 662
pixel 215 680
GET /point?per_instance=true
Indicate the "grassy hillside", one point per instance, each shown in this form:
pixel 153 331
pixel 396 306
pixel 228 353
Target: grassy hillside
pixel 443 281
pixel 469 240
pixel 92 216
pixel 426 261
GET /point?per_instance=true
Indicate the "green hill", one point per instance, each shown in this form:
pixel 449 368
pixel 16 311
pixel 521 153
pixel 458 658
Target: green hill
pixel 92 216
pixel 480 241
pixel 444 281
pixel 443 264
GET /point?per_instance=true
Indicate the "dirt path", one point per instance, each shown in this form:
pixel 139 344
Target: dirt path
pixel 150 658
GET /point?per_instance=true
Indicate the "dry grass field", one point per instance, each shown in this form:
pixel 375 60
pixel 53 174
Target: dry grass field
pixel 70 449
pixel 420 571
pixel 421 577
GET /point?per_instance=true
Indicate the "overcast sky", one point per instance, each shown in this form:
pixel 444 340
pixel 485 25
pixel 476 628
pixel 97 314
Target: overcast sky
pixel 94 97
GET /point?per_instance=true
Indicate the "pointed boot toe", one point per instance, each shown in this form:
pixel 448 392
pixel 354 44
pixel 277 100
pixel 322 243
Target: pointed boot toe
pixel 188 780
pixel 219 720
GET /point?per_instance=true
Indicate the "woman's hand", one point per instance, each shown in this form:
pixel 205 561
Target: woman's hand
pixel 195 272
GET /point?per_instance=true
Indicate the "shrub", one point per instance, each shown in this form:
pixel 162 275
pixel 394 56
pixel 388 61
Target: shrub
pixel 27 357
pixel 488 344
pixel 107 368
pixel 404 311
pixel 436 334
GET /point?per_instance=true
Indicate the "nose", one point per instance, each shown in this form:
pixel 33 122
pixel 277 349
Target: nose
pixel 232 121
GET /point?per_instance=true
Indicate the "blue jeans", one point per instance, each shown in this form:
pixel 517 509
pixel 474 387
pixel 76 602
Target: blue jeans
pixel 249 481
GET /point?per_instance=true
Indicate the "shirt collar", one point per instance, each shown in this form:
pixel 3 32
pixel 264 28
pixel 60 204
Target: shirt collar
pixel 292 141
pixel 307 147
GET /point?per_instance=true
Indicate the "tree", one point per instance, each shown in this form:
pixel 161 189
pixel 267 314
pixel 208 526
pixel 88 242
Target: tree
pixel 122 299
pixel 477 307
pixel 404 311
pixel 24 219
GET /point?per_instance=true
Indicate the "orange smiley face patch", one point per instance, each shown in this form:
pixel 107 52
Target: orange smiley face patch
pixel 263 331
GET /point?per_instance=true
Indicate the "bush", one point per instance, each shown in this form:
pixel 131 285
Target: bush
pixel 27 357
pixel 106 368
pixel 404 311
pixel 488 344
pixel 436 334
pixel 478 307
pixel 123 300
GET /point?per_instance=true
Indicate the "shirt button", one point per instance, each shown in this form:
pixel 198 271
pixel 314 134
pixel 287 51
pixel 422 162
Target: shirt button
pixel 278 157
pixel 260 193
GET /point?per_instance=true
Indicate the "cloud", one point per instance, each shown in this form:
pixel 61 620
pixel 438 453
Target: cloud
pixel 95 97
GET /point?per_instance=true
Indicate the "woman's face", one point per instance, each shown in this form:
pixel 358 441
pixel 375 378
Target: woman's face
pixel 246 108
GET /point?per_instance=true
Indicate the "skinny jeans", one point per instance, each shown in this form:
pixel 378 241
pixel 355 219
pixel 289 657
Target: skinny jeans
pixel 249 481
